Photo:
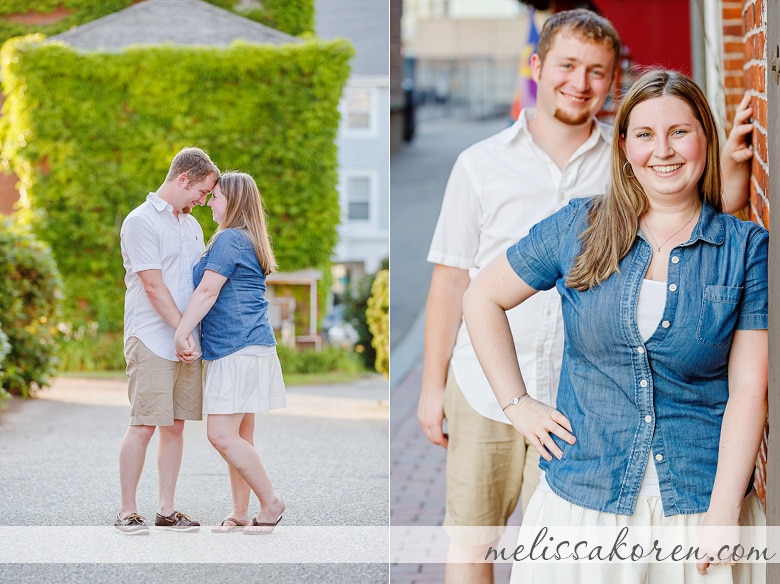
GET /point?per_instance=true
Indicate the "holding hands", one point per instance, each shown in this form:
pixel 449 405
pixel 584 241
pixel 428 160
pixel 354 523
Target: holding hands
pixel 186 349
pixel 202 300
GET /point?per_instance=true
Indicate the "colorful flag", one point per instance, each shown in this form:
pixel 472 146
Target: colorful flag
pixel 525 88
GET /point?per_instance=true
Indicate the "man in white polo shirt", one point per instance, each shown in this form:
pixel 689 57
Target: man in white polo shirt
pixel 161 243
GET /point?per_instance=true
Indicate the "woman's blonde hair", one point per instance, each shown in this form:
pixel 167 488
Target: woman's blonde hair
pixel 614 218
pixel 244 210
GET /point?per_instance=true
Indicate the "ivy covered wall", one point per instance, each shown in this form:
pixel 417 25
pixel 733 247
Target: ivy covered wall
pixel 90 134
pixel 294 17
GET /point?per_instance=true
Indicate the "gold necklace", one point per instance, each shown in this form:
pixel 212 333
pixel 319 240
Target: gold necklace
pixel 650 232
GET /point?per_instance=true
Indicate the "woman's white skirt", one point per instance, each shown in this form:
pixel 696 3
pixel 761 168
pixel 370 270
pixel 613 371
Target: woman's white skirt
pixel 241 383
pixel 648 524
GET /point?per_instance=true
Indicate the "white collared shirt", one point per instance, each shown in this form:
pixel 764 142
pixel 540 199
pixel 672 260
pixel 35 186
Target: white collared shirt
pixel 498 189
pixel 154 239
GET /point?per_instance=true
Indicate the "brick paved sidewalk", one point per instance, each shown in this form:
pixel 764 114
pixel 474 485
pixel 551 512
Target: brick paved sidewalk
pixel 417 481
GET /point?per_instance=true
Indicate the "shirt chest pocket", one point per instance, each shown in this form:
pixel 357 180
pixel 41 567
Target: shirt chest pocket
pixel 718 316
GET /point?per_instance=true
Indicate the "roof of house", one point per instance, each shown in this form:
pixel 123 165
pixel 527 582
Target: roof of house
pixel 180 22
pixel 366 24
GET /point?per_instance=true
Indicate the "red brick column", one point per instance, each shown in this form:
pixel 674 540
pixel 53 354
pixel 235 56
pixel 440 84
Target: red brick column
pixel 755 80
pixel 744 68
pixel 733 54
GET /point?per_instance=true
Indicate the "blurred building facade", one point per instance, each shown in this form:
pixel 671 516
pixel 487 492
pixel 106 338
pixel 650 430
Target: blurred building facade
pixel 396 83
pixel 364 136
pixel 463 54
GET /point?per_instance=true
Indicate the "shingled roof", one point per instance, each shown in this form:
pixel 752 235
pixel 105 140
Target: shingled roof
pixel 180 22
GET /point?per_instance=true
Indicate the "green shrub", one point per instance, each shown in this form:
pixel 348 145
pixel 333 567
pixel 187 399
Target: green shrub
pixel 291 16
pixel 327 360
pixel 29 301
pixel 85 348
pixel 355 306
pixel 81 12
pixel 294 17
pixel 5 348
pixel 377 317
pixel 90 134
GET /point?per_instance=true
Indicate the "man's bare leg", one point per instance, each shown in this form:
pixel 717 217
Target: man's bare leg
pixel 131 462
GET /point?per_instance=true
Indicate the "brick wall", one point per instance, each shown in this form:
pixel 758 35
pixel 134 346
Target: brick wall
pixel 34 17
pixel 8 180
pixel 744 67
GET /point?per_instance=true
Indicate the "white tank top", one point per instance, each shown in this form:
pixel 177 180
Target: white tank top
pixel 649 311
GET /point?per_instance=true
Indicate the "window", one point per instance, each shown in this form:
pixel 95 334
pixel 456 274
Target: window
pixel 359 198
pixel 358 104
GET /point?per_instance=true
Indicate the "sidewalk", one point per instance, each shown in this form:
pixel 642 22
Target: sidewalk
pixel 417 480
pixel 327 454
pixel 417 468
pixel 417 477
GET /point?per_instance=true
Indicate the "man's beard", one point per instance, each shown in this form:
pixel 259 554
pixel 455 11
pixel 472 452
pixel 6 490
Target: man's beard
pixel 186 210
pixel 571 119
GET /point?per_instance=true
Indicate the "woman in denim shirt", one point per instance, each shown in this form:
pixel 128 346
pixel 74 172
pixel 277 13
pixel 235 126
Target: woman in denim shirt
pixel 242 375
pixel 663 391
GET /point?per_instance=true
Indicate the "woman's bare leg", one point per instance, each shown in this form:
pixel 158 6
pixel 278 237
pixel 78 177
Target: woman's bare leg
pixel 229 434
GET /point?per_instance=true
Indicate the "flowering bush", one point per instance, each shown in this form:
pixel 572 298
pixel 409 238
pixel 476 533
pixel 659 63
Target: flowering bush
pixel 377 317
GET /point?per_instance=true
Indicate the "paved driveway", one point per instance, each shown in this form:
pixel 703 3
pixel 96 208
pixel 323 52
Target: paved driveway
pixel 59 490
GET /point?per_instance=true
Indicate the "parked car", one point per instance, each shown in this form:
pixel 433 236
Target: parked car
pixel 335 331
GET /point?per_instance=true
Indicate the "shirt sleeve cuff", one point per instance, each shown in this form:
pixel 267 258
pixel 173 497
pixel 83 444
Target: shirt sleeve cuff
pixel 749 322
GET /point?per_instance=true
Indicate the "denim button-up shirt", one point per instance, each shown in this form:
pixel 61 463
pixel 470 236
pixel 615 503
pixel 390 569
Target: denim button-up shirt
pixel 624 396
pixel 239 317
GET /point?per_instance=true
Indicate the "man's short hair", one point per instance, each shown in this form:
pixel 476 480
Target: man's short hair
pixel 195 162
pixel 586 24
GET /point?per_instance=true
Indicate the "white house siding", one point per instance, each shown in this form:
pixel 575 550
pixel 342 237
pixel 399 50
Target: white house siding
pixel 364 153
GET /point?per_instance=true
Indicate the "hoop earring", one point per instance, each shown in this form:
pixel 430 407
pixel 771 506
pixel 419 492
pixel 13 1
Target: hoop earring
pixel 625 172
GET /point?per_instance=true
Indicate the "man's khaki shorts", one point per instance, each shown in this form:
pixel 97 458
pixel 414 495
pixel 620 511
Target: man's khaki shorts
pixel 489 464
pixel 160 390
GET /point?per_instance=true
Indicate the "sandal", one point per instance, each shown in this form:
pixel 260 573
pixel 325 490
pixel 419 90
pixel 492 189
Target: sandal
pixel 222 528
pixel 256 523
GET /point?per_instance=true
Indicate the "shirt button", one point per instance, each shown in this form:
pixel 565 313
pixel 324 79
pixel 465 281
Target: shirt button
pixel 666 324
pixel 640 350
pixel 673 287
pixel 659 457
pixel 643 383
pixel 648 419
pixel 675 260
